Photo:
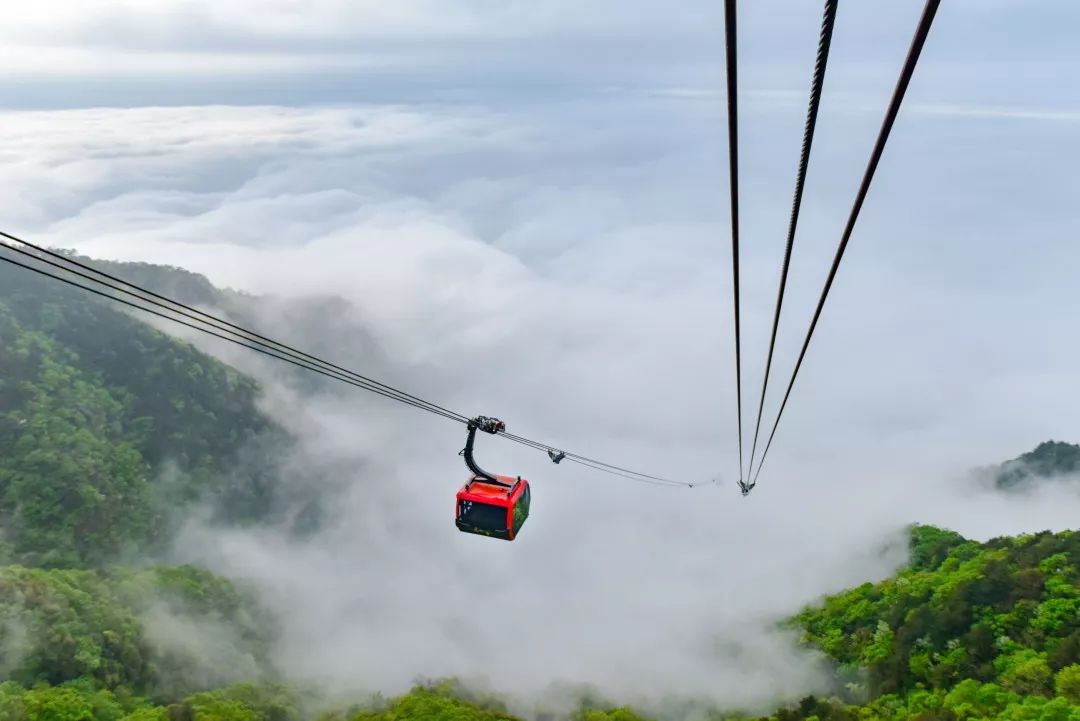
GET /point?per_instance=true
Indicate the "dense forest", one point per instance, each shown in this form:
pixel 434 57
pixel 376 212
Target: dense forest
pixel 111 430
pixel 108 427
pixel 968 631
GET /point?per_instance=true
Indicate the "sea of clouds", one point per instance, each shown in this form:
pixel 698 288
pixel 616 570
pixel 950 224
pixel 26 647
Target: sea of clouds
pixel 567 268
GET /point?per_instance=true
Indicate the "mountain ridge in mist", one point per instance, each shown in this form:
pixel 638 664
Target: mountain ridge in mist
pixel 1047 462
pixel 110 429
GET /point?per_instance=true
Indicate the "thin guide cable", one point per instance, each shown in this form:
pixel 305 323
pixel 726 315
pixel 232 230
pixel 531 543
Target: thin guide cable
pixel 906 73
pixel 191 312
pixel 828 22
pixel 209 324
pixel 731 46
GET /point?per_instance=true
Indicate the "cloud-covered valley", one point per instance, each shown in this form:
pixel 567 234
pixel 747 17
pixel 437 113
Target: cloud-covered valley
pixel 567 268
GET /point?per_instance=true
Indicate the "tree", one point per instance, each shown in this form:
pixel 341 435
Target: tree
pixel 1027 673
pixel 1067 683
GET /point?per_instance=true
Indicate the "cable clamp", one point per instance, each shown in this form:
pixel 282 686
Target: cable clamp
pixel 487 425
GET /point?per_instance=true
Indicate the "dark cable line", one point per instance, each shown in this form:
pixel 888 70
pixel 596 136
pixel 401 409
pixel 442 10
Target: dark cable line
pixel 358 380
pixel 235 341
pixel 586 459
pixel 824 43
pixel 191 312
pixel 635 479
pixel 731 37
pixel 298 358
pixel 599 466
pixel 917 44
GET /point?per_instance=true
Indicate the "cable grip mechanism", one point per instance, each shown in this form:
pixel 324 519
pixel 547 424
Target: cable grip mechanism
pixel 487 425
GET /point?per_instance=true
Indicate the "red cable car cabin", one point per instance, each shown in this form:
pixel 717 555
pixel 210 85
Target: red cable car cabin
pixel 489 505
pixel 496 510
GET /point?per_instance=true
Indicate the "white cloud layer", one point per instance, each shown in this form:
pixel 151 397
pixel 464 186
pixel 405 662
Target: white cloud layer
pixel 567 268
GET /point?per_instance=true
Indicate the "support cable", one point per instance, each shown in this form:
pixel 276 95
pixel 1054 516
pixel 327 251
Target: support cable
pixel 228 331
pixel 824 43
pixel 731 46
pixel 906 73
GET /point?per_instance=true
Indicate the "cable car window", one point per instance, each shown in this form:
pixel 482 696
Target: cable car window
pixel 483 515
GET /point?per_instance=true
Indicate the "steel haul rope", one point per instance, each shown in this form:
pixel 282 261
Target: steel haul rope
pixel 816 85
pixel 906 73
pixel 731 46
pixel 198 315
pixel 209 324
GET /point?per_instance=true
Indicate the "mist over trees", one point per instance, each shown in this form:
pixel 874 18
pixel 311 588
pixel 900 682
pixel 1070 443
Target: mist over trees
pixel 1051 460
pixel 111 432
pixel 110 429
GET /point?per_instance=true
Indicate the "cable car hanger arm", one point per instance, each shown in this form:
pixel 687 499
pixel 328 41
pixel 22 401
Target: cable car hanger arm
pixel 487 425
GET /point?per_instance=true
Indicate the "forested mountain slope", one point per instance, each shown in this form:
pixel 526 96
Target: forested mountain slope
pixel 161 632
pixel 107 425
pixel 1052 459
pixel 969 630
